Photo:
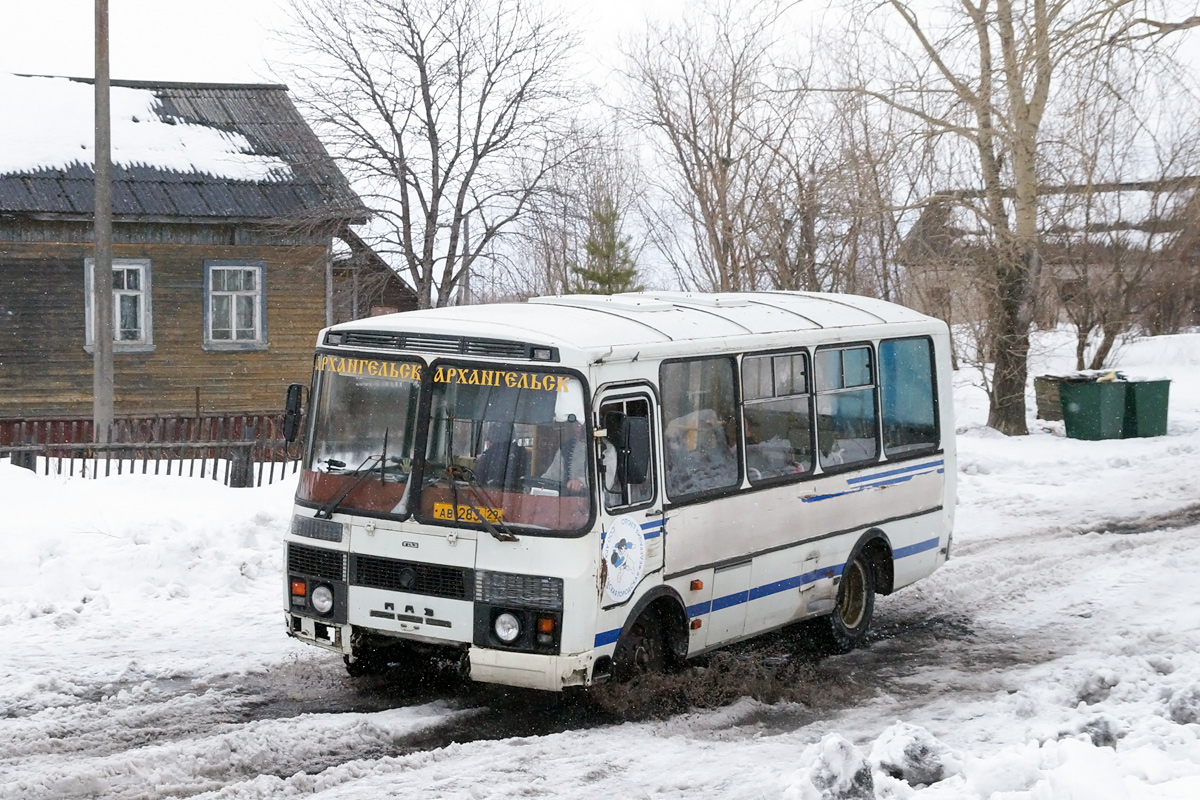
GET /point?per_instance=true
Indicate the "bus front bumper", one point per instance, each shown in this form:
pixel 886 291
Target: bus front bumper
pixel 529 670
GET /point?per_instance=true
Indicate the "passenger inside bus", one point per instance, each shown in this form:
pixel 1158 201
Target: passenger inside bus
pixel 568 468
pixel 498 465
pixel 699 455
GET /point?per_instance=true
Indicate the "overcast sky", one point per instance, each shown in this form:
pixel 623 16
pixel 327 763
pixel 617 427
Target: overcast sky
pixel 214 41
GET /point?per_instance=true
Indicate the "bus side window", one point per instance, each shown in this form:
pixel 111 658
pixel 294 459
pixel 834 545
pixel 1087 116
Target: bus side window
pixel 846 418
pixel 623 494
pixel 778 429
pixel 906 392
pixel 700 436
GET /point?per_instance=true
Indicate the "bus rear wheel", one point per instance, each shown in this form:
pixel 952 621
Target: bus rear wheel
pixel 846 628
pixel 642 650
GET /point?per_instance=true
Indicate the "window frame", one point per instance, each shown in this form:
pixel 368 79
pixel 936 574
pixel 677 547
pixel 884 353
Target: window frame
pixel 810 400
pixel 424 434
pixel 872 387
pixel 624 395
pixel 673 501
pixel 145 343
pixel 261 341
pixel 928 450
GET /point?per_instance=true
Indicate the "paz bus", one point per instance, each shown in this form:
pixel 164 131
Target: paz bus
pixel 578 489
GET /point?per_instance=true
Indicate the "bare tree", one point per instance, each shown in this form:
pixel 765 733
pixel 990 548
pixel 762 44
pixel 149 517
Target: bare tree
pixel 708 92
pixel 438 111
pixel 985 75
pixel 1124 174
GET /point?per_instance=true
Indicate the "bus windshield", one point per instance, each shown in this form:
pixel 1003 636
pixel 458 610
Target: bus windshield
pixel 364 429
pixel 507 448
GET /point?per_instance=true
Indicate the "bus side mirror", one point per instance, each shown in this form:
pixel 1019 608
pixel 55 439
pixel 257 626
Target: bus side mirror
pixel 633 449
pixel 293 407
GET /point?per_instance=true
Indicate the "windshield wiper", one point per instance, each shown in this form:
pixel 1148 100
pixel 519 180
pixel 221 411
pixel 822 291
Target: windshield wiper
pixel 326 511
pixel 502 533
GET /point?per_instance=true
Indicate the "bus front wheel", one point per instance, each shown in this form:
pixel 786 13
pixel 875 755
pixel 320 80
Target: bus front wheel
pixel 846 628
pixel 642 650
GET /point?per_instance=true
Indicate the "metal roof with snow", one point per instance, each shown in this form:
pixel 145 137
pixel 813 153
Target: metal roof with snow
pixel 181 152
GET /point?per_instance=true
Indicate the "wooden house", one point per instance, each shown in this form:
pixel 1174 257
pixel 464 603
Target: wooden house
pixel 1133 247
pixel 225 206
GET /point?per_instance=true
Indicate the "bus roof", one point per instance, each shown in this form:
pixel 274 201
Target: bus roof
pixel 602 322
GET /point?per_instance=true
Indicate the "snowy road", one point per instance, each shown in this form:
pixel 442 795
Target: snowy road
pixel 1056 655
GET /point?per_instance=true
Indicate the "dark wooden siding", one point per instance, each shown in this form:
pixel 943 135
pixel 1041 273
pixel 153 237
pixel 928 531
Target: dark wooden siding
pixel 45 371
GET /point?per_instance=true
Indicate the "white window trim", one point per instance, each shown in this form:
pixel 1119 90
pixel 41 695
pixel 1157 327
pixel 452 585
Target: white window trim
pixel 143 345
pixel 260 340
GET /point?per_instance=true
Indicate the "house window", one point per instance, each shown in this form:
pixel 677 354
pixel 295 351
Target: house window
pixel 131 304
pixel 234 306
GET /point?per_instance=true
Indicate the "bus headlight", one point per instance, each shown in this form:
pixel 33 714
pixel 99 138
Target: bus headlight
pixel 507 627
pixel 322 599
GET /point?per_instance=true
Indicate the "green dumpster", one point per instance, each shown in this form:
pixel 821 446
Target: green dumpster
pixel 1146 408
pixel 1093 409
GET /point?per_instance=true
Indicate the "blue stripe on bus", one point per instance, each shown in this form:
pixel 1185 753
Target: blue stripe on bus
pixel 889 478
pixel 919 547
pixel 650 530
pixel 730 600
pixel 736 599
pixel 901 471
pixel 654 529
pixel 608 637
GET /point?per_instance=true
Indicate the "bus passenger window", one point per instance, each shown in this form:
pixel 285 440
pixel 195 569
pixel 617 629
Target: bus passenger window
pixel 616 493
pixel 846 418
pixel 775 409
pixel 700 434
pixel 906 394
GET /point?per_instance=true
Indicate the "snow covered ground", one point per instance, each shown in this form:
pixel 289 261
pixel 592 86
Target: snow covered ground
pixel 1057 654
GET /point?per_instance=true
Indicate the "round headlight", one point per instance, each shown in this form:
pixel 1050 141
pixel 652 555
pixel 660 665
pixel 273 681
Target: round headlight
pixel 322 599
pixel 507 628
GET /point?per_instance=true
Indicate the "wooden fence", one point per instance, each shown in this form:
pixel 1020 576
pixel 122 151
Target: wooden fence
pixel 242 450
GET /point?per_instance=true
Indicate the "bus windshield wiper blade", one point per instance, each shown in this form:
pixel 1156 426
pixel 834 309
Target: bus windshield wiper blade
pixel 326 511
pixel 502 533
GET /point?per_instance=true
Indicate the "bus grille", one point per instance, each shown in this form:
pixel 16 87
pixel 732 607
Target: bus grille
pixel 441 343
pixel 316 562
pixel 413 577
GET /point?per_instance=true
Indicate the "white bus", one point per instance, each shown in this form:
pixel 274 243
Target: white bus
pixel 577 489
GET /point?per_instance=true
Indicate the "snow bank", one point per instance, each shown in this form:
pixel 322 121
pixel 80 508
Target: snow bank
pixel 1056 655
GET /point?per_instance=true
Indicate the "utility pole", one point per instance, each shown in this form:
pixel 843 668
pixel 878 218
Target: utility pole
pixel 102 282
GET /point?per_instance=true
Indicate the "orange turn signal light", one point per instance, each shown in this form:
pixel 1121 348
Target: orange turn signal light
pixel 545 625
pixel 299 587
pixel 697 585
pixel 696 623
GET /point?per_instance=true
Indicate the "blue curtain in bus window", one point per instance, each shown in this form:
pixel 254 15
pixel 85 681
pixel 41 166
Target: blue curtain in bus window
pixel 699 430
pixel 845 407
pixel 906 391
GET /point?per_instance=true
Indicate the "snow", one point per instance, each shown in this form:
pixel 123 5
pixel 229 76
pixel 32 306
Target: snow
pixel 49 123
pixel 1056 655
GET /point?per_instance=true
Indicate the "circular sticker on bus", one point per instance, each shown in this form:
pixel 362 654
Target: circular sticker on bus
pixel 624 554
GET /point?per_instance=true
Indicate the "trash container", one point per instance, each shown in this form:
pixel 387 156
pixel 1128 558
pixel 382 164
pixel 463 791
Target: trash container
pixel 1093 409
pixel 1145 408
pixel 1045 391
